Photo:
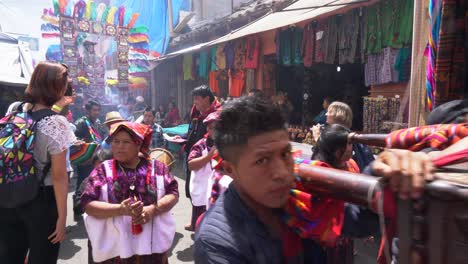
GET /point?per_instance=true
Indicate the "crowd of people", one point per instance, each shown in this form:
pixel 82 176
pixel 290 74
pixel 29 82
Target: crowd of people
pixel 240 179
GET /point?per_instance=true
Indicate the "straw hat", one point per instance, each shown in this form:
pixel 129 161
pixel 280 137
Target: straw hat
pixel 113 117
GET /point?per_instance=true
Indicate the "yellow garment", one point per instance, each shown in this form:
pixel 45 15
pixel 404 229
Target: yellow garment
pixel 111 15
pixel 220 57
pixel 187 67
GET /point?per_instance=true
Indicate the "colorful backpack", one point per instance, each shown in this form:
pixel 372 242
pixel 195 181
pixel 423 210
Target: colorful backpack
pixel 19 183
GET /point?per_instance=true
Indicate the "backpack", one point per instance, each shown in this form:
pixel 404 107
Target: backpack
pixel 19 182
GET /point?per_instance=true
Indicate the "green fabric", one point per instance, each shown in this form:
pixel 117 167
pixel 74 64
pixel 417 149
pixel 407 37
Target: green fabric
pixel 139 29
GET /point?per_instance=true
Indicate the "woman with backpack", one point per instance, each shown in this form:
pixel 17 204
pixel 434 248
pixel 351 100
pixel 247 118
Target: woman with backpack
pixel 33 208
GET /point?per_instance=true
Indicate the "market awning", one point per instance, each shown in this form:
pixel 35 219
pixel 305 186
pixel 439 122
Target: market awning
pixel 299 11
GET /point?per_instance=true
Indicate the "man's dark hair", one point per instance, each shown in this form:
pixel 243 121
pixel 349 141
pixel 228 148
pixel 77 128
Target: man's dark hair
pixel 149 109
pixel 203 91
pixel 332 138
pixel 256 92
pixel 242 119
pixel 89 105
pixel 328 99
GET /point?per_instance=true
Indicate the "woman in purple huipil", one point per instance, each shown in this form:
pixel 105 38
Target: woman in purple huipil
pixel 127 201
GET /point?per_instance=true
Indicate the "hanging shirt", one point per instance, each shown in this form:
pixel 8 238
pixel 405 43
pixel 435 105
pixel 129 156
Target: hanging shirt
pixel 239 55
pixel 308 45
pixel 285 47
pixel 220 57
pixel 213 59
pixel 330 40
pixel 319 47
pixel 237 81
pixel 213 82
pixel 203 65
pixel 249 79
pixel 252 48
pixel 223 83
pixel 348 37
pixel 187 67
pixel 229 53
pixel 297 45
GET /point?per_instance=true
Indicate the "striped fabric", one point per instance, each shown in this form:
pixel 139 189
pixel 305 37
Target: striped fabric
pixel 435 136
pixel 82 154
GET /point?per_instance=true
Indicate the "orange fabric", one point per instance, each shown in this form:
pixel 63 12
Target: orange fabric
pixel 213 81
pixel 236 83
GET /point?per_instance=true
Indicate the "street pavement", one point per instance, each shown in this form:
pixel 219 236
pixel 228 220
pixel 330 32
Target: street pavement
pixel 74 249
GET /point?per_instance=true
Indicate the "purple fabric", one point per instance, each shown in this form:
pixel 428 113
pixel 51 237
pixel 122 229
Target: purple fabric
pixel 119 190
pixel 197 149
pixel 229 52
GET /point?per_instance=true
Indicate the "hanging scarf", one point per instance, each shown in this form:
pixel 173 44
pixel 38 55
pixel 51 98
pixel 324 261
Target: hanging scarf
pixel 435 136
pixel 92 132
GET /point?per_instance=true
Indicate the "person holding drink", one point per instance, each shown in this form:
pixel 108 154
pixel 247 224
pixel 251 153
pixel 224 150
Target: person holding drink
pixel 127 201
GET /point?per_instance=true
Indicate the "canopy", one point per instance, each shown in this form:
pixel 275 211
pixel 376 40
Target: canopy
pixel 299 11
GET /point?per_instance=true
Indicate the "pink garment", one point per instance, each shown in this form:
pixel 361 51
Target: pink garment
pixel 308 45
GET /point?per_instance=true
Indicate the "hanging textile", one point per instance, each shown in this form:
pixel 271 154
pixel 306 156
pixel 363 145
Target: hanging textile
pixel 223 83
pixel 252 49
pixel 236 83
pixel 249 79
pixel 319 47
pixel 348 37
pixel 308 44
pixel 239 54
pixel 450 65
pixel 187 67
pixel 403 64
pixel 220 57
pixel 297 45
pixel 435 12
pixel 213 82
pixel 330 40
pixel 284 41
pixel 203 65
pixel 229 54
pixel 213 59
pixel 380 69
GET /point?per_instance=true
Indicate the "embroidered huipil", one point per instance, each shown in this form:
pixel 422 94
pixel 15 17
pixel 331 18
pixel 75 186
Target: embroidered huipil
pixel 119 189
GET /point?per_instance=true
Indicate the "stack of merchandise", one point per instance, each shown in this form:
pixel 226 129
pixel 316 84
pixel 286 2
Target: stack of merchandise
pixel 138 57
pixel 381 115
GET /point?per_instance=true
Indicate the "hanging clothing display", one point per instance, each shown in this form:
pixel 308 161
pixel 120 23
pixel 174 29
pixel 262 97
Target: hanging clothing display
pixel 213 82
pixel 403 64
pixel 297 45
pixel 450 63
pixel 380 69
pixel 249 79
pixel 330 40
pixel 348 37
pixel 187 66
pixel 203 65
pixel 239 54
pixel 376 110
pixel 290 46
pixel 229 53
pixel 236 83
pixel 284 39
pixel 223 83
pixel 220 57
pixel 213 59
pixel 308 45
pixel 319 47
pixel 269 79
pixel 252 49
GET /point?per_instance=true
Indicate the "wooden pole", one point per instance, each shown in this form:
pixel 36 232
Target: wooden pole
pixel 417 98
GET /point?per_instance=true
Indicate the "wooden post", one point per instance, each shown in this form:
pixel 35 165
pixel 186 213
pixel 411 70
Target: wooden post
pixel 417 105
